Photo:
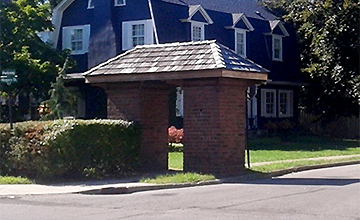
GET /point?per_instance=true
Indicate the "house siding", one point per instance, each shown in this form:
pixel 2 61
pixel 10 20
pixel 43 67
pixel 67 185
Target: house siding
pixel 106 34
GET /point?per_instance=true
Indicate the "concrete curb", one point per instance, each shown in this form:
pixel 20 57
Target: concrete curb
pixel 133 189
pixel 243 178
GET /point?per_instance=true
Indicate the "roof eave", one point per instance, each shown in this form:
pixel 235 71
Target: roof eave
pixel 199 74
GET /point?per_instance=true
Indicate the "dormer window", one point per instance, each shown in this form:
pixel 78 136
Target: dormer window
pixel 240 25
pixel 240 42
pixel 278 31
pixel 197 31
pixel 198 18
pixel 119 2
pixel 90 4
pixel 277 50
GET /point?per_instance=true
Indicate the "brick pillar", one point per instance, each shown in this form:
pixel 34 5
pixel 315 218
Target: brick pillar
pixel 146 103
pixel 214 125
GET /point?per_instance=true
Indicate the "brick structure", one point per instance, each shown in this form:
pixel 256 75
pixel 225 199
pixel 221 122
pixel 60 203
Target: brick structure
pixel 214 80
pixel 146 103
pixel 214 125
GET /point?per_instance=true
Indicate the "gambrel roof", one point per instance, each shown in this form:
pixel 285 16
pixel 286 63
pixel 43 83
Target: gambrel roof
pixel 179 58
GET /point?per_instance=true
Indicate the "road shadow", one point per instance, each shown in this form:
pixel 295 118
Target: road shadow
pixel 305 181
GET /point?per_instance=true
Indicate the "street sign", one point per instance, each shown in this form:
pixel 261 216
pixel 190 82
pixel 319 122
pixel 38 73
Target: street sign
pixel 9 80
pixel 8 76
pixel 8 72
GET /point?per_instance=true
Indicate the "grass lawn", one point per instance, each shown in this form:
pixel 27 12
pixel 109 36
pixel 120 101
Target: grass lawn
pixel 178 178
pixel 275 149
pixel 14 180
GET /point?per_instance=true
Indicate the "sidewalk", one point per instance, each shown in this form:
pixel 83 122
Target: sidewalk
pixel 130 185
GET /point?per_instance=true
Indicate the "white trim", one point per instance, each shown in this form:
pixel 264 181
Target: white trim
pixel 66 38
pixel 202 28
pixel 236 18
pixel 277 37
pixel 127 33
pixel 243 32
pixel 193 9
pixel 56 19
pixel 274 24
pixel 153 22
pixel 264 113
pixel 122 4
pixel 90 2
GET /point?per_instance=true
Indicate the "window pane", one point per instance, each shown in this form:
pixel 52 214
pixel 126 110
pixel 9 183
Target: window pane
pixel 277 48
pixel 283 103
pixel 119 2
pixel 138 34
pixel 196 33
pixel 270 102
pixel 240 43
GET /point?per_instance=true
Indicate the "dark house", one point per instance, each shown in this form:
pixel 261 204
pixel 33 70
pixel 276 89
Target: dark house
pixel 97 30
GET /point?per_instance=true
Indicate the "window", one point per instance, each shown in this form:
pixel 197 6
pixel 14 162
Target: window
pixel 277 103
pixel 240 42
pixel 268 102
pixel 285 103
pixel 197 31
pixel 119 2
pixel 90 4
pixel 76 38
pixel 277 47
pixel 137 33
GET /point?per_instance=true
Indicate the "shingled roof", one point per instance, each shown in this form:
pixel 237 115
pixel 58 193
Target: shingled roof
pixel 175 58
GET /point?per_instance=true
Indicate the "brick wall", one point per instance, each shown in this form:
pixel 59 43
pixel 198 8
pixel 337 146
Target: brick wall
pixel 146 103
pixel 214 126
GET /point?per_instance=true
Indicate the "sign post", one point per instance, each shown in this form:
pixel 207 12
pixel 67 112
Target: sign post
pixel 9 77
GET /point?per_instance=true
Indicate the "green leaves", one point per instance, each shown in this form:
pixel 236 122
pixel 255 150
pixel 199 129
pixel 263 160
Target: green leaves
pixel 36 63
pixel 328 36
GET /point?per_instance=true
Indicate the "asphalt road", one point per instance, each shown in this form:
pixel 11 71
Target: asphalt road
pixel 331 193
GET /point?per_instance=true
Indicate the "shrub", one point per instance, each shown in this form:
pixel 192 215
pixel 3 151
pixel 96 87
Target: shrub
pixel 176 147
pixel 74 148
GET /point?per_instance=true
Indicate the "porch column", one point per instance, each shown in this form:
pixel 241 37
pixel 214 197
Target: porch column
pixel 214 125
pixel 146 103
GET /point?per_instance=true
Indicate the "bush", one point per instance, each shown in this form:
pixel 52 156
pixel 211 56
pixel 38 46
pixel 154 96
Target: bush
pixel 74 148
pixel 175 135
pixel 176 147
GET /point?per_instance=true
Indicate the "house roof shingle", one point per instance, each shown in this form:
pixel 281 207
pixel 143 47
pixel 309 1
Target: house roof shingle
pixel 175 57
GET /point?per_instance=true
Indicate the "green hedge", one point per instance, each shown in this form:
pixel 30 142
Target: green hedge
pixel 69 148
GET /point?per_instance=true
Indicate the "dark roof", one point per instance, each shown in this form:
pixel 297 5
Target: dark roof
pixel 251 8
pixel 175 57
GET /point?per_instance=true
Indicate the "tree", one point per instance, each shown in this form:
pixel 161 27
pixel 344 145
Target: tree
pixel 36 62
pixel 61 100
pixel 328 36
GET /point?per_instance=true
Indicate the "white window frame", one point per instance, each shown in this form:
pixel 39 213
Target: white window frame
pixel 264 113
pixel 66 38
pixel 201 25
pixel 277 37
pixel 90 4
pixel 243 32
pixel 127 36
pixel 289 104
pixel 116 2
